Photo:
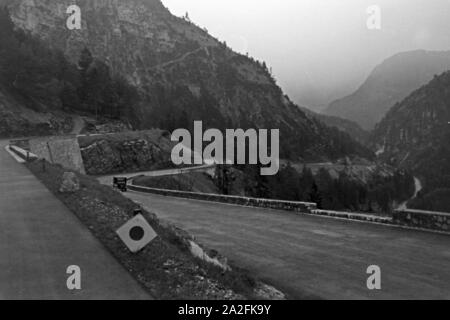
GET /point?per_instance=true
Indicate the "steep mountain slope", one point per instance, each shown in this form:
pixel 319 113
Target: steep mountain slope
pixel 20 116
pixel 344 125
pixel 389 83
pixel 415 134
pixel 40 90
pixel 182 73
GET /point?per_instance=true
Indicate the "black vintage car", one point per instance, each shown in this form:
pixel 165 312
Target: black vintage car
pixel 120 183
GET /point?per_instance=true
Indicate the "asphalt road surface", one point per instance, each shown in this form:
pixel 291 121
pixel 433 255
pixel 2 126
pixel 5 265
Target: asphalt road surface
pixel 40 238
pixel 309 256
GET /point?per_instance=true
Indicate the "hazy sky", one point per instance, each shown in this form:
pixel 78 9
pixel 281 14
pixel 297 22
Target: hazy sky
pixel 321 49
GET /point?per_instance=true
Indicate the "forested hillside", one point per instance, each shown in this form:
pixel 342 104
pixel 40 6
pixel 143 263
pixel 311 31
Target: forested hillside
pixel 379 194
pixel 415 135
pixel 42 80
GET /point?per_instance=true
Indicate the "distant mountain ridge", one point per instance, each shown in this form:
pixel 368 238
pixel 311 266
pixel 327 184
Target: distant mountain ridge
pixel 389 83
pixel 344 125
pixel 181 72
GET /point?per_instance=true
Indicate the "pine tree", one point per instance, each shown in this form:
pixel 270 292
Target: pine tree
pixel 86 60
pixel 224 178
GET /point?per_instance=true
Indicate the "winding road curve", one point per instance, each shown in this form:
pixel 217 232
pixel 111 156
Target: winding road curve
pixel 180 59
pixel 418 187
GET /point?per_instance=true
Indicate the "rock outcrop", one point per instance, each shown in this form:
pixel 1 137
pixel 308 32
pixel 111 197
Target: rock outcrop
pixel 69 183
pixel 121 153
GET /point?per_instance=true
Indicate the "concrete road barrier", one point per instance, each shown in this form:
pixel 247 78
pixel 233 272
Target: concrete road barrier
pixel 433 221
pixel 304 207
pixel 24 154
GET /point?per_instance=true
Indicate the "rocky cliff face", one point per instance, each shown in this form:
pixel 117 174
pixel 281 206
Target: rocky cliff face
pixel 389 83
pixel 132 36
pixel 131 152
pixel 183 74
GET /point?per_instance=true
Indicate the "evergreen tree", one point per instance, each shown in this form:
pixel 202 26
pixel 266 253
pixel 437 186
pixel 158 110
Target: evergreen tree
pixel 224 178
pixel 86 60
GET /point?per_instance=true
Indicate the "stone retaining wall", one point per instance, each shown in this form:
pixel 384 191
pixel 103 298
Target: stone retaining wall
pixel 410 218
pixel 423 219
pixel 354 216
pixel 59 150
pixel 304 207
